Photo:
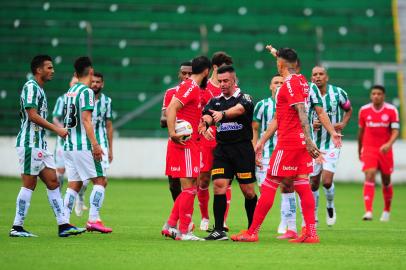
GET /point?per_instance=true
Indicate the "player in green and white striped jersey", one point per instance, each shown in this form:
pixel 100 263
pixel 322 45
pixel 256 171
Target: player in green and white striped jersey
pixel 338 107
pixel 264 112
pixel 83 154
pixel 103 127
pixel 31 145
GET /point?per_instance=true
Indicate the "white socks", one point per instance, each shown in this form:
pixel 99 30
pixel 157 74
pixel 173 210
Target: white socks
pixel 96 202
pixel 56 202
pixel 329 196
pixel 288 210
pixel 316 203
pixel 22 205
pixel 69 202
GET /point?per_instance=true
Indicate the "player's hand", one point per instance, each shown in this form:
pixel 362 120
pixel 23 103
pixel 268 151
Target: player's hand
pixel 312 149
pixel 62 132
pixel 97 152
pixel 339 126
pixel 316 124
pixel 178 138
pixel 385 148
pixel 110 155
pixel 337 139
pixel 259 149
pixel 202 127
pixel 208 134
pixel 217 116
pixel 271 49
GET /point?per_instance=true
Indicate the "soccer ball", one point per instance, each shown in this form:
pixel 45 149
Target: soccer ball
pixel 184 128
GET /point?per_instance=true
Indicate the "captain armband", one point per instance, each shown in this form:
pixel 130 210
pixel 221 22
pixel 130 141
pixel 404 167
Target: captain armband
pixel 395 125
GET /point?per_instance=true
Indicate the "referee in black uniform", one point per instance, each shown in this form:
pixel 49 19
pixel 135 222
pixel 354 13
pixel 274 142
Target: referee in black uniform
pixel 234 156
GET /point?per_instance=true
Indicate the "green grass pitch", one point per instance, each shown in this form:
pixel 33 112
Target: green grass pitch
pixel 137 209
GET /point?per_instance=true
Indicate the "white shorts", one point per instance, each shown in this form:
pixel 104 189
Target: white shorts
pixel 33 160
pixel 59 159
pixel 81 166
pixel 261 173
pixel 105 158
pixel 331 160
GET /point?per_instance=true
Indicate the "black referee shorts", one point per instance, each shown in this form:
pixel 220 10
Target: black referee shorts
pixel 237 160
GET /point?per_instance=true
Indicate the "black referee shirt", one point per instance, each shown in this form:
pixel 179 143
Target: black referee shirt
pixel 237 129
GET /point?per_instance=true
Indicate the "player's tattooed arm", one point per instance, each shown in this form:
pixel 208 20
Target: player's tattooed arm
pixel 310 146
pixel 162 120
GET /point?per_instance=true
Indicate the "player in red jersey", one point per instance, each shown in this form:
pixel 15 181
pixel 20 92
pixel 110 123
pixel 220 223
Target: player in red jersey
pixel 378 130
pixel 184 156
pixel 212 90
pixel 185 71
pixel 291 161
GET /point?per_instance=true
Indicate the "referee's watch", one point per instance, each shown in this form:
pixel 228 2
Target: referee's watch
pixel 223 114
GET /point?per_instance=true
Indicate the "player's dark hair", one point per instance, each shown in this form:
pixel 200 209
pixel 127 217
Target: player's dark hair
pixel 82 65
pixel 288 54
pixel 187 64
pixel 379 87
pixel 199 64
pixel 276 75
pixel 298 63
pixel 224 69
pixel 98 75
pixel 38 61
pixel 220 58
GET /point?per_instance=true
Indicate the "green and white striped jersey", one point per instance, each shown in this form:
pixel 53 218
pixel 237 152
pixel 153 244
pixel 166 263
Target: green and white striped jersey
pixel 332 101
pixel 313 101
pixel 264 112
pixel 79 98
pixel 31 134
pixel 58 113
pixel 101 113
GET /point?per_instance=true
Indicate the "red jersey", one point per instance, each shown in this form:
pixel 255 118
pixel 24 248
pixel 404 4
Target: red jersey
pixel 210 92
pixel 188 93
pixel 377 124
pixel 293 91
pixel 168 97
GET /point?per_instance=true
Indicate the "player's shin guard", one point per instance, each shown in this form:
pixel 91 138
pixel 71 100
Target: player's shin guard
pixel 369 193
pixel 203 196
pixel 56 202
pixel 186 208
pixel 302 187
pixel 96 202
pixel 219 209
pixel 288 210
pixel 228 195
pixel 250 205
pixel 329 192
pixel 265 203
pixel 387 196
pixel 22 205
pixel 69 202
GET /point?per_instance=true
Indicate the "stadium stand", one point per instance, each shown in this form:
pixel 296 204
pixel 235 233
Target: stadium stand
pixel 138 46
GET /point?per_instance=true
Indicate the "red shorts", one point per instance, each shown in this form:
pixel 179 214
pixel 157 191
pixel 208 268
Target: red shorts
pixel 285 163
pixel 372 158
pixel 183 161
pixel 207 157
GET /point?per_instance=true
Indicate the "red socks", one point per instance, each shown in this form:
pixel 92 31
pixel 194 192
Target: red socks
pixel 302 187
pixel 203 196
pixel 228 195
pixel 186 208
pixel 264 204
pixel 182 209
pixel 387 196
pixel 369 193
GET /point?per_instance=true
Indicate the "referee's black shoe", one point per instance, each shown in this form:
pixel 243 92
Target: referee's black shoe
pixel 217 235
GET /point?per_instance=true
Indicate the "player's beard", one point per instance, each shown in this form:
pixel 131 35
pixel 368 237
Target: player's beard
pixel 203 84
pixel 97 91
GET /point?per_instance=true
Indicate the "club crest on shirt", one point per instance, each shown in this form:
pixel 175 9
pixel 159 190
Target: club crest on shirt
pixel 385 117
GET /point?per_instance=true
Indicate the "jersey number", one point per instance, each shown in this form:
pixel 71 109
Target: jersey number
pixel 70 116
